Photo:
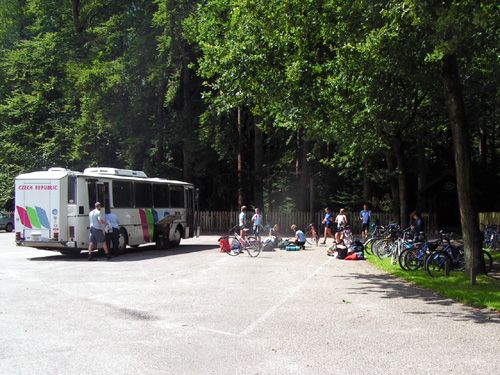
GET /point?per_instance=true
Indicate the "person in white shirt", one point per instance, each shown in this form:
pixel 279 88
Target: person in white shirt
pixel 341 221
pixel 300 237
pixel 242 220
pixel 257 223
pixel 97 223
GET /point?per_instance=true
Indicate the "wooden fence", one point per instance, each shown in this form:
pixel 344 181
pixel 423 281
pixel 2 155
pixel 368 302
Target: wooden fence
pixel 488 218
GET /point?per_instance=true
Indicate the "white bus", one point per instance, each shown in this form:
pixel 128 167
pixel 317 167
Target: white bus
pixel 52 207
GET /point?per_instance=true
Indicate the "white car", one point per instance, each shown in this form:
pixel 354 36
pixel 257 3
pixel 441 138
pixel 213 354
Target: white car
pixel 6 222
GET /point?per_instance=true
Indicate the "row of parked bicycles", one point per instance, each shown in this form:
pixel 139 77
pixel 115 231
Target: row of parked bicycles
pixel 412 251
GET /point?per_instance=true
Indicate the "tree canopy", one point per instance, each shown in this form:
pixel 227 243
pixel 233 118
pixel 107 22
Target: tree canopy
pixel 254 101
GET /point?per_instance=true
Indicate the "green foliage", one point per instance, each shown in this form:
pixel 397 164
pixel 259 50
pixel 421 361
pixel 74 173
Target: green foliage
pixel 121 83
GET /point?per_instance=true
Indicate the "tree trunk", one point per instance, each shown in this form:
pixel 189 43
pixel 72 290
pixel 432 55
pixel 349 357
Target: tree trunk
pixel 394 187
pixel 366 183
pixel 258 170
pixel 303 177
pixel 483 147
pixel 458 124
pixel 241 152
pixel 421 167
pixel 75 11
pixel 401 178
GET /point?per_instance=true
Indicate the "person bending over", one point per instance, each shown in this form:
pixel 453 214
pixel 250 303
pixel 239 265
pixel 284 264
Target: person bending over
pixel 300 237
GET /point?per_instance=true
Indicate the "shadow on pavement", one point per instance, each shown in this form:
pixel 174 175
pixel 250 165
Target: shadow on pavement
pixel 133 254
pixel 390 287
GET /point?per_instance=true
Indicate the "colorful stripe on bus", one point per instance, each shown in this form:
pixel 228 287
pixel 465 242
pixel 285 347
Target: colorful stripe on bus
pixel 148 216
pixel 33 217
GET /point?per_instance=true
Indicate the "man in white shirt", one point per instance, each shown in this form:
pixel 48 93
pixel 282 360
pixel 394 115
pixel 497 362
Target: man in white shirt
pixel 242 221
pixel 97 223
pixel 257 223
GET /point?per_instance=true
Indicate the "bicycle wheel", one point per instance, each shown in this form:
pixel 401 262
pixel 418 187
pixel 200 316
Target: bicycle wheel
pixel 253 246
pixel 376 244
pixel 402 259
pixel 413 259
pixel 386 249
pixel 368 246
pixel 437 264
pixel 488 261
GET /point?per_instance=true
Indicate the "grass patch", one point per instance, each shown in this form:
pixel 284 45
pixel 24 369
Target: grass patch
pixel 486 293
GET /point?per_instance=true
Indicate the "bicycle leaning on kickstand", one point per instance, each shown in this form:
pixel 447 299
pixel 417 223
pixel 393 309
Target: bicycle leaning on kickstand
pixel 239 244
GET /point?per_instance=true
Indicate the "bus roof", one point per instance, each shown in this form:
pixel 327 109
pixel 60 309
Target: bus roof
pixel 58 173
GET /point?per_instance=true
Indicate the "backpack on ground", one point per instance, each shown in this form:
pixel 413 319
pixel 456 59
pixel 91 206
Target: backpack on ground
pixel 341 251
pixel 269 243
pixel 225 246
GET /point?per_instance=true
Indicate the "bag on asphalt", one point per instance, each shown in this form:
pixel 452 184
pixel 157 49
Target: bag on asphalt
pixel 356 247
pixel 283 244
pixel 341 251
pixel 224 245
pixel 269 244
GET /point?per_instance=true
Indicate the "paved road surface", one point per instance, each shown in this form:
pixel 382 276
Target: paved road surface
pixel 197 311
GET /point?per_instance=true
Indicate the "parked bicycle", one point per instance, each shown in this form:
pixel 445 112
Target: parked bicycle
pixel 239 244
pixel 491 238
pixel 376 234
pixel 451 258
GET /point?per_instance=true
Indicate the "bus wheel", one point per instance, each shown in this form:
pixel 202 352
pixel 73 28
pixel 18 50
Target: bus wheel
pixel 122 241
pixel 176 239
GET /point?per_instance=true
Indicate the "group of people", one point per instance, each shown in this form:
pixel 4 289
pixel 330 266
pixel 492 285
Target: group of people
pixel 334 227
pixel 274 232
pixel 104 231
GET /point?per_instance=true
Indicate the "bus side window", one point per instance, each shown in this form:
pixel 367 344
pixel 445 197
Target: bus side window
pixel 161 197
pixel 71 189
pixel 176 196
pixel 122 194
pixel 91 187
pixel 143 195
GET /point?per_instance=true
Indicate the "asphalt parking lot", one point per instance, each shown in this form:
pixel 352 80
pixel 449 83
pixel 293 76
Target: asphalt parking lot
pixel 194 310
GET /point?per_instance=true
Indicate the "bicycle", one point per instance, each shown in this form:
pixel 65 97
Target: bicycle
pixel 491 238
pixel 378 233
pixel 403 242
pixel 250 244
pixel 385 246
pixel 451 258
pixel 312 235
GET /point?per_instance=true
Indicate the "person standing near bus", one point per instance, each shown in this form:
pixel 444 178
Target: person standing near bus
pixel 112 232
pixel 257 223
pixel 242 221
pixel 97 223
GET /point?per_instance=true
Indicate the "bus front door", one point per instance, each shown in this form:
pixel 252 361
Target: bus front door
pixel 190 211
